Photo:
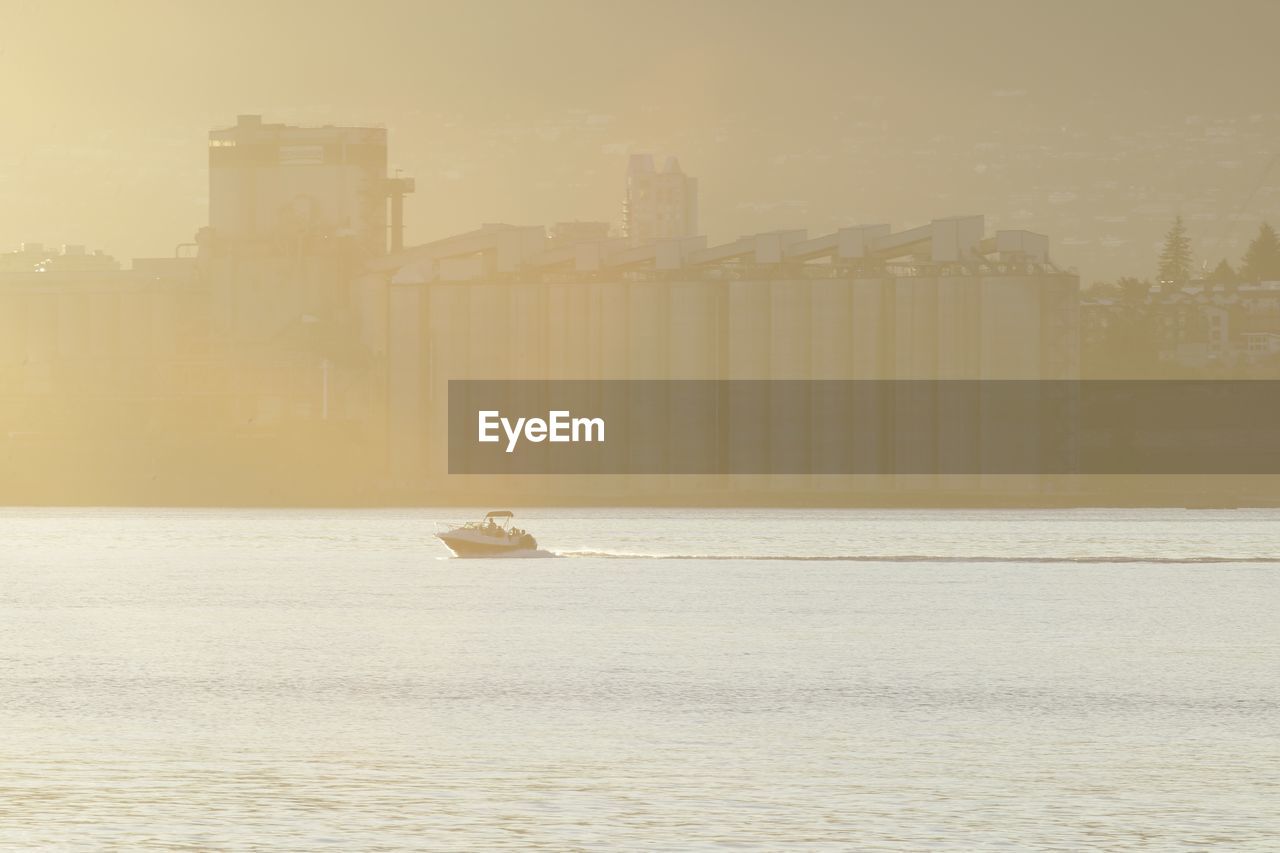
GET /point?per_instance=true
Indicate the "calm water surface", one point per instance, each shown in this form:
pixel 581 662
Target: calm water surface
pixel 776 680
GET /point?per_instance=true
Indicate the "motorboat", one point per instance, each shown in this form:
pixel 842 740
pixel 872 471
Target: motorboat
pixel 491 536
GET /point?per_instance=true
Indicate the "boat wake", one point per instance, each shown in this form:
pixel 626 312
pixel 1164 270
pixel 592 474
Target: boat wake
pixel 929 558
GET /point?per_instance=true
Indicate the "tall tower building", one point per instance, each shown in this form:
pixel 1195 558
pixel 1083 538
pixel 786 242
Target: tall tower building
pixel 659 204
pixel 274 183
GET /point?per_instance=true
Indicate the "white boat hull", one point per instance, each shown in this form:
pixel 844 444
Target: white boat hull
pixel 471 543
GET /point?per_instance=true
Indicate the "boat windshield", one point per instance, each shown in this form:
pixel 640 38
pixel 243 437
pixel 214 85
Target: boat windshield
pixel 492 523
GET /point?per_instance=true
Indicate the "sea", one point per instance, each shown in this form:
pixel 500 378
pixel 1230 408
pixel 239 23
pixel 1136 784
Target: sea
pixel 673 679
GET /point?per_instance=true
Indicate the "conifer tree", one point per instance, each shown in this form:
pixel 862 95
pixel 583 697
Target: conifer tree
pixel 1262 258
pixel 1175 258
pixel 1223 273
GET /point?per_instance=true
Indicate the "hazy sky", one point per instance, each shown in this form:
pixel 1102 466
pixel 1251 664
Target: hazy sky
pixel 1091 121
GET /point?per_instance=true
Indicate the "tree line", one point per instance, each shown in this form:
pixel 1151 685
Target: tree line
pixel 1261 261
pixel 1136 336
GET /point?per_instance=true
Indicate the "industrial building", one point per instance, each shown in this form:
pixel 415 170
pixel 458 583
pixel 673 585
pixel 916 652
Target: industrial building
pixel 273 184
pixel 224 371
pixel 940 301
pixel 296 351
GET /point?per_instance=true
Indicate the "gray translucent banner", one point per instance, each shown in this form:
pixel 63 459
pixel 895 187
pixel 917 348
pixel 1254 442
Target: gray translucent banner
pixel 864 427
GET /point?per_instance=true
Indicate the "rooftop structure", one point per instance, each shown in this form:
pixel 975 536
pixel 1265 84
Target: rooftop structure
pixel 569 233
pixel 955 245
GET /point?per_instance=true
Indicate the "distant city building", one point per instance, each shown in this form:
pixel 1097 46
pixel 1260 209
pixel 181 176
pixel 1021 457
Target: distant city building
pixel 270 184
pixel 1202 327
pixel 659 204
